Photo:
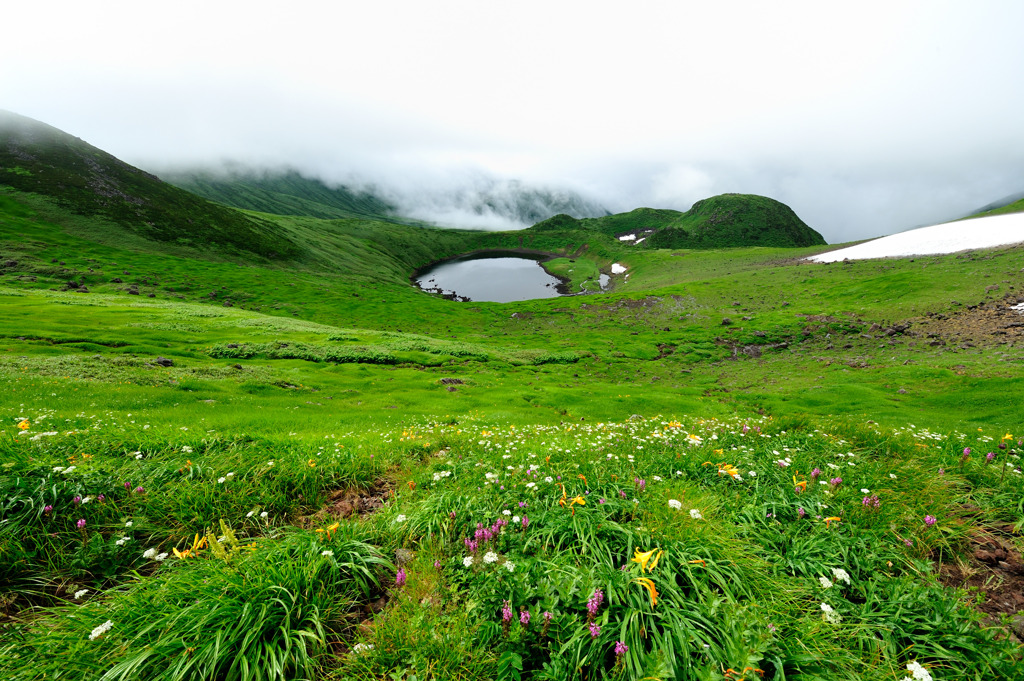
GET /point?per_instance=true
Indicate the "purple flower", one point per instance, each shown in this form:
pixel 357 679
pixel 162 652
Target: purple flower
pixel 620 648
pixel 600 501
pixel 640 483
pixel 526 521
pixel 942 471
pixel 77 500
pixel 929 520
pixel 872 500
pixel 908 542
pixel 771 628
pixel 594 604
pixel 452 515
pixel 524 618
pixel 48 508
pixel 746 429
pixel 522 504
pixel 140 490
pixel 595 630
pixel 967 452
pixel 400 577
pixel 622 493
pixel 800 512
pixel 989 457
pixel 547 616
pixel 437 565
pixel 506 612
pixel 835 482
pixel 127 485
pixel 81 523
pixel 815 474
pixel 101 498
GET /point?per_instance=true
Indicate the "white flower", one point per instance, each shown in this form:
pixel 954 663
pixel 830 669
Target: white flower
pixel 675 503
pixel 327 552
pixel 401 518
pixel 531 485
pixel 100 630
pixel 122 541
pixel 69 469
pixel 230 475
pixel 467 561
pixel 656 478
pixel 919 672
pixel 491 476
pixel 250 514
pixel 516 519
pixel 510 566
pixel 752 474
pixel 186 449
pixel 149 554
pixel 138 455
pixel 549 479
pixel 127 524
pixel 826 583
pixel 221 480
pixel 360 648
pixel 80 593
pixel 695 514
pixel 161 557
pixel 864 490
pixel 841 575
pixel 490 557
pixel 830 615
pixel 86 500
pixel 58 469
pixel 263 515
pixel 506 512
pixel 892 475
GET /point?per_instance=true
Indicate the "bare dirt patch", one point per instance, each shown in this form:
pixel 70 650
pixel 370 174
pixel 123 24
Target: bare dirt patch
pixel 986 324
pixel 994 567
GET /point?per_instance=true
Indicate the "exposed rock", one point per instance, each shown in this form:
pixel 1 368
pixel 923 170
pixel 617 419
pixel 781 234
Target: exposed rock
pixel 446 380
pixel 404 556
pixel 164 362
pixel 726 322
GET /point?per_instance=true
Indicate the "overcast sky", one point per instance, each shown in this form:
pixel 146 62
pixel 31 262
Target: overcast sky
pixel 866 118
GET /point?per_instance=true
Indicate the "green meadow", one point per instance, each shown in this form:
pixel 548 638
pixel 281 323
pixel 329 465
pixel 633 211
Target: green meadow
pixel 291 463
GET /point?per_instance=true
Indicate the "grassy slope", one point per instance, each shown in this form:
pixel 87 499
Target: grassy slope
pixel 1015 207
pixel 547 378
pixel 283 193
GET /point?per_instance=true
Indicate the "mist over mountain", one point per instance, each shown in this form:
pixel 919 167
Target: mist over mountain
pixel 474 200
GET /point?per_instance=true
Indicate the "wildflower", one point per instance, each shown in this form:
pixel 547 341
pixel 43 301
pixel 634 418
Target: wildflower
pixel 919 672
pixel 675 503
pixel 908 542
pixel 149 554
pixel 400 577
pixel 595 630
pixel 506 612
pixel 221 480
pixel 161 557
pixel 129 523
pixel 826 583
pixel 643 558
pixel 989 457
pixel 467 561
pixel 77 500
pixel 830 520
pixel 594 603
pixel 401 518
pixel 800 512
pixel 80 524
pixel 526 521
pixel 510 566
pixel 490 557
pixel 649 585
pixel 360 648
pixel 24 424
pixel 929 520
pixel 841 575
pixel 80 593
pixel 263 515
pixel 640 483
pixel 101 498
pixel 835 482
pixel 524 617
pixel 815 474
pixel 48 508
pixel 100 630
pixel 327 553
pixel 830 615
pixel 622 493
pixel 326 531
pixel 695 514
pixel 620 648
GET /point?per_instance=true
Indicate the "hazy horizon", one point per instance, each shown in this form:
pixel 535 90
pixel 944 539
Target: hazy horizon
pixel 866 120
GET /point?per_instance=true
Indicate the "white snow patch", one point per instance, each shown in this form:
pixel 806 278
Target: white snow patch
pixel 950 237
pixel 628 237
pixel 617 268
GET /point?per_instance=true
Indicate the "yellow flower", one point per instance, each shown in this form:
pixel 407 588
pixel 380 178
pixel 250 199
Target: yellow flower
pixel 643 558
pixel 831 519
pixel 1007 437
pixel 329 530
pixel 24 425
pixel 651 590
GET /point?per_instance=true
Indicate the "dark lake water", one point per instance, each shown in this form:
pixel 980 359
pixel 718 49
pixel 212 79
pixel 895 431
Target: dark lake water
pixel 498 278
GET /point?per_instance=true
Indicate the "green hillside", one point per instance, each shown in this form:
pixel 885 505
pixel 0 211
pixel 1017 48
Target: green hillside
pixel 733 465
pixel 1013 207
pixel 725 221
pixel 40 159
pixel 282 193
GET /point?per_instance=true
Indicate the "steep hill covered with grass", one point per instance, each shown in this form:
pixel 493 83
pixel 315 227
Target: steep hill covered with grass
pixel 37 158
pixel 725 221
pixel 286 192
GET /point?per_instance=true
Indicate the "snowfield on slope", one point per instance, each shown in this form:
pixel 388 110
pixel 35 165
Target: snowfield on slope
pixel 949 237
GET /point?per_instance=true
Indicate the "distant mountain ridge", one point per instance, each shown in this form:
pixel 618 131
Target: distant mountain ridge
pixel 1014 203
pixel 282 192
pixel 482 201
pixel 723 221
pixel 38 158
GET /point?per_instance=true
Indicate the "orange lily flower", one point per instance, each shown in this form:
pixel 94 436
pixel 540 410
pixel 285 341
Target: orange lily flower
pixel 651 590
pixel 829 520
